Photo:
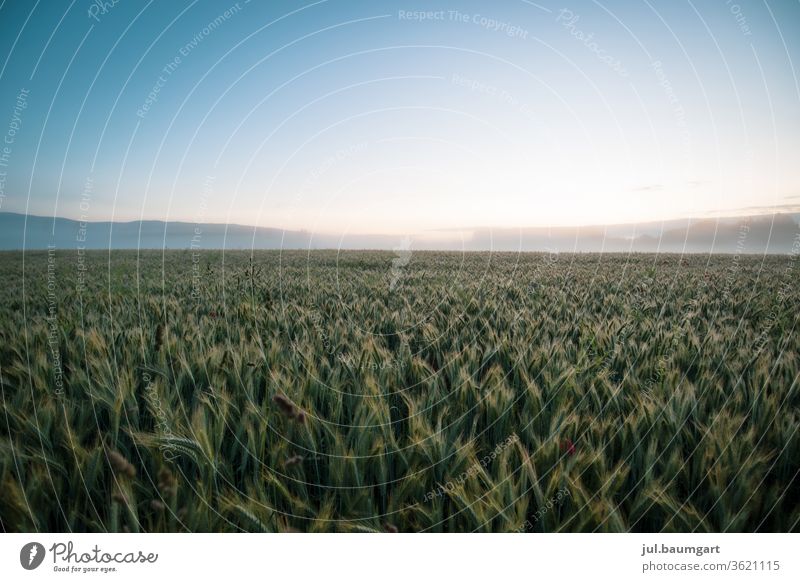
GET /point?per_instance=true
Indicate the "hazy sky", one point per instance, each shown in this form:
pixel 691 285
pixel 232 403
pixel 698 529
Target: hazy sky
pixel 371 117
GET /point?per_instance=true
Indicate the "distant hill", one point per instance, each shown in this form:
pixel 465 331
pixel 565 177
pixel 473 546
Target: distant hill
pixel 751 235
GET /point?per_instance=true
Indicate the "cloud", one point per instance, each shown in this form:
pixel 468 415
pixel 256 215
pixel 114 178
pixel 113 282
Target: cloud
pixel 756 210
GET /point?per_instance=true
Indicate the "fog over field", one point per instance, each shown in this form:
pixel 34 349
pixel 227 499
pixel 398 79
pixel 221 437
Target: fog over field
pixel 759 234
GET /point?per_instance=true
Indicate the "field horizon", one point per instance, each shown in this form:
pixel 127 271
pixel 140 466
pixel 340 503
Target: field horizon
pixel 768 234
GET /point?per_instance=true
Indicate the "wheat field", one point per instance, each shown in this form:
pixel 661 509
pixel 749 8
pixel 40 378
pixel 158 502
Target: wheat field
pixel 329 391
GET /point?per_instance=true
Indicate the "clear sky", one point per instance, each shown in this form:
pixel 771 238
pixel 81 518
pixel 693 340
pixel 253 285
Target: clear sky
pixel 376 117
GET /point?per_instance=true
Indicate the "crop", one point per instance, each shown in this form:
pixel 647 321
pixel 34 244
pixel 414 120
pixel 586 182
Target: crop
pixel 324 391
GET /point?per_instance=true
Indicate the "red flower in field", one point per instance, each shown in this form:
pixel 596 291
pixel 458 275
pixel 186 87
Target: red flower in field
pixel 567 446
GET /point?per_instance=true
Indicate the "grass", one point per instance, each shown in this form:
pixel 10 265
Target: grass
pixel 329 391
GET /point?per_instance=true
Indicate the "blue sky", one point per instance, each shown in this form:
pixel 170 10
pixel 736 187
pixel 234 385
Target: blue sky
pixel 398 117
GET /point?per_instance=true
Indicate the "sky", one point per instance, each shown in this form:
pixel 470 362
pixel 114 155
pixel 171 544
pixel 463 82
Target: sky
pixel 399 117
